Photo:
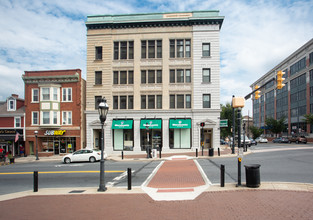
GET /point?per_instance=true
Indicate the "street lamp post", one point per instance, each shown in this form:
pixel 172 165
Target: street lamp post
pixel 36 133
pixel 103 111
pixel 147 147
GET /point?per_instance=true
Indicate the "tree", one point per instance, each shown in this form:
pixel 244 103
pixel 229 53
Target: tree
pixel 275 126
pixel 227 113
pixel 256 132
pixel 308 118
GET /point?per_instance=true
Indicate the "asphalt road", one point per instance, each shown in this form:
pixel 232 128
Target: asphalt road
pixel 279 163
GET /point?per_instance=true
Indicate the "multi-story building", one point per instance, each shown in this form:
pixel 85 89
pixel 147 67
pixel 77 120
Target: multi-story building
pixel 295 99
pixel 12 121
pixel 160 69
pixel 55 103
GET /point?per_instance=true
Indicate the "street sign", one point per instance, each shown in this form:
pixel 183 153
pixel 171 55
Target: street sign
pixel 224 123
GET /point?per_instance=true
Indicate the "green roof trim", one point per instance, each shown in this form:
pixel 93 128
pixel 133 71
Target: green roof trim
pixel 152 19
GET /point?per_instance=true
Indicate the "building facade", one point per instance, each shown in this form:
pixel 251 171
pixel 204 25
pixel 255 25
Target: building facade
pixel 55 104
pixel 160 74
pixel 295 99
pixel 12 124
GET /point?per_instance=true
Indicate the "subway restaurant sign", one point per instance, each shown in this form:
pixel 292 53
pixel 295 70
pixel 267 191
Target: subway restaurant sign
pixel 153 123
pixel 180 123
pixel 122 124
pixel 54 132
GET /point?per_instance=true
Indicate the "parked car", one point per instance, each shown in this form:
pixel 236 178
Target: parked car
pixel 247 141
pixel 261 140
pixel 280 140
pixel 253 142
pixel 298 139
pixel 91 155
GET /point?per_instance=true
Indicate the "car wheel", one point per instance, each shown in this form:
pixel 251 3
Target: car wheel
pixel 92 159
pixel 67 160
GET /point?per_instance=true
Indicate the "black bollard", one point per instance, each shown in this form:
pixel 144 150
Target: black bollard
pixel 196 152
pixel 219 151
pixel 222 175
pixel 122 155
pixel 35 181
pixel 160 154
pixel 129 178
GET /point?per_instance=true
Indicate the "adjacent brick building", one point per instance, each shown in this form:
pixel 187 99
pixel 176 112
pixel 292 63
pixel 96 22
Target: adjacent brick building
pixel 54 103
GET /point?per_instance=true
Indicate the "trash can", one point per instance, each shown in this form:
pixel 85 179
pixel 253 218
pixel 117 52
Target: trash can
pixel 211 152
pixel 253 175
pixel 12 160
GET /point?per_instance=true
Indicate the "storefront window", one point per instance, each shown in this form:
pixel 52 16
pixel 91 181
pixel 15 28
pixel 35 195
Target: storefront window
pixel 123 135
pixel 58 145
pixel 180 133
pixel 155 134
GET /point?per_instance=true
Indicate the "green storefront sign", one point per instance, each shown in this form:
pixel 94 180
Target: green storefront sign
pixel 122 124
pixel 153 123
pixel 180 123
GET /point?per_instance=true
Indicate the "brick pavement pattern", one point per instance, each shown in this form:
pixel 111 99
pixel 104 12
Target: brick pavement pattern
pixel 245 204
pixel 177 174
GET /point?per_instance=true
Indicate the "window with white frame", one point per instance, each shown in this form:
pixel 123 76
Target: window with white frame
pixel 67 94
pixel 17 122
pixel 206 100
pixel 35 95
pixel 45 118
pixel 67 118
pixel 11 105
pixel 206 75
pixel 55 118
pixel 35 118
pixel 45 94
pixel 205 49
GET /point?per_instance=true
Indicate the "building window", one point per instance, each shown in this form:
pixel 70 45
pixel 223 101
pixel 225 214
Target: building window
pixel 123 50
pixel 206 100
pixel 180 76
pixel 123 102
pixel 11 105
pixel 180 101
pixel 181 48
pixel 130 102
pixel 67 94
pixel 120 102
pixel 35 118
pixel 151 76
pixel 151 102
pixel 298 66
pixel 46 118
pixel 130 77
pixel 67 118
pixel 55 118
pixel 17 122
pixel 310 58
pixel 55 94
pixel 120 77
pixel 143 102
pixel 206 49
pixel 206 75
pixel 154 49
pixel 45 94
pixel 97 101
pixel 98 53
pixel 123 77
pixel 159 101
pixel 115 102
pixel 115 77
pixel 172 101
pixel 154 76
pixel 98 77
pixel 188 101
pixel 35 95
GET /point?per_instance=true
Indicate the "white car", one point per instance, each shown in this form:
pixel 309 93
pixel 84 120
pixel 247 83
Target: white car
pixel 261 140
pixel 91 155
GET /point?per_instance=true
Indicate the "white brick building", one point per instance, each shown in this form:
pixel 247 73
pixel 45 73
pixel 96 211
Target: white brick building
pixel 158 68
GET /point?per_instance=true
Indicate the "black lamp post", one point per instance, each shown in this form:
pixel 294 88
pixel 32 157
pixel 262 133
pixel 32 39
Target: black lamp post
pixel 147 147
pixel 36 133
pixel 103 111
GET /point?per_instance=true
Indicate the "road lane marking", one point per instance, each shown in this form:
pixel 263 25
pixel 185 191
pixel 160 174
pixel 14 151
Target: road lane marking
pixel 48 172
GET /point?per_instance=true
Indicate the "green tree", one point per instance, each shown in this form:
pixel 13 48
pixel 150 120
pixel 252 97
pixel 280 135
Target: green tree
pixel 308 118
pixel 227 113
pixel 275 126
pixel 256 132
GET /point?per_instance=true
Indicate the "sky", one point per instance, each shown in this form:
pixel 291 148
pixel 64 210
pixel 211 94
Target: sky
pixel 51 35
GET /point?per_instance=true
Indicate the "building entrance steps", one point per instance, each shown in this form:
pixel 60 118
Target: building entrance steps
pixel 179 178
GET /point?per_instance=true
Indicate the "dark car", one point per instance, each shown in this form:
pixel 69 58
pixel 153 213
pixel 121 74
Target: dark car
pixel 281 140
pixel 298 139
pixel 253 142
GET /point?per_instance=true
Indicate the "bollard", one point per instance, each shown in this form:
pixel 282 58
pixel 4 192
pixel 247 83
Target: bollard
pixel 222 175
pixel 35 181
pixel 160 155
pixel 202 150
pixel 129 178
pixel 196 152
pixel 219 151
pixel 122 155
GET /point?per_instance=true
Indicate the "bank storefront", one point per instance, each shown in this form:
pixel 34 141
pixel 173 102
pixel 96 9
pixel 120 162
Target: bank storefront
pixel 180 133
pixel 123 135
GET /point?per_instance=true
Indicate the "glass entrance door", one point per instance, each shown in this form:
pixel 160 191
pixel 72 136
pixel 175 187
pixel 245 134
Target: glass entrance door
pixel 56 147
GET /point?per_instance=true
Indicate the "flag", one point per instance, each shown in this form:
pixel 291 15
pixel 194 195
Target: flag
pixel 16 136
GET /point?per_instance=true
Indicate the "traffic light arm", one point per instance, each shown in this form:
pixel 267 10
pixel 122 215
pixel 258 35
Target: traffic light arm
pixel 249 95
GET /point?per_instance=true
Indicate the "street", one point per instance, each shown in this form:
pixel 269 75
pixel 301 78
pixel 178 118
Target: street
pixel 279 163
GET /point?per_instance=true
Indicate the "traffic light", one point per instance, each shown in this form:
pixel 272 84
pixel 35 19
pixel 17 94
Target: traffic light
pixel 257 93
pixel 280 79
pixel 202 124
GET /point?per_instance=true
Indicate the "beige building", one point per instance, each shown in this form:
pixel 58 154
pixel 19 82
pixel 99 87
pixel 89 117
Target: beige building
pixel 160 70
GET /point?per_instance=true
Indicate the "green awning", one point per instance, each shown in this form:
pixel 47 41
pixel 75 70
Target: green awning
pixel 122 124
pixel 153 123
pixel 180 123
